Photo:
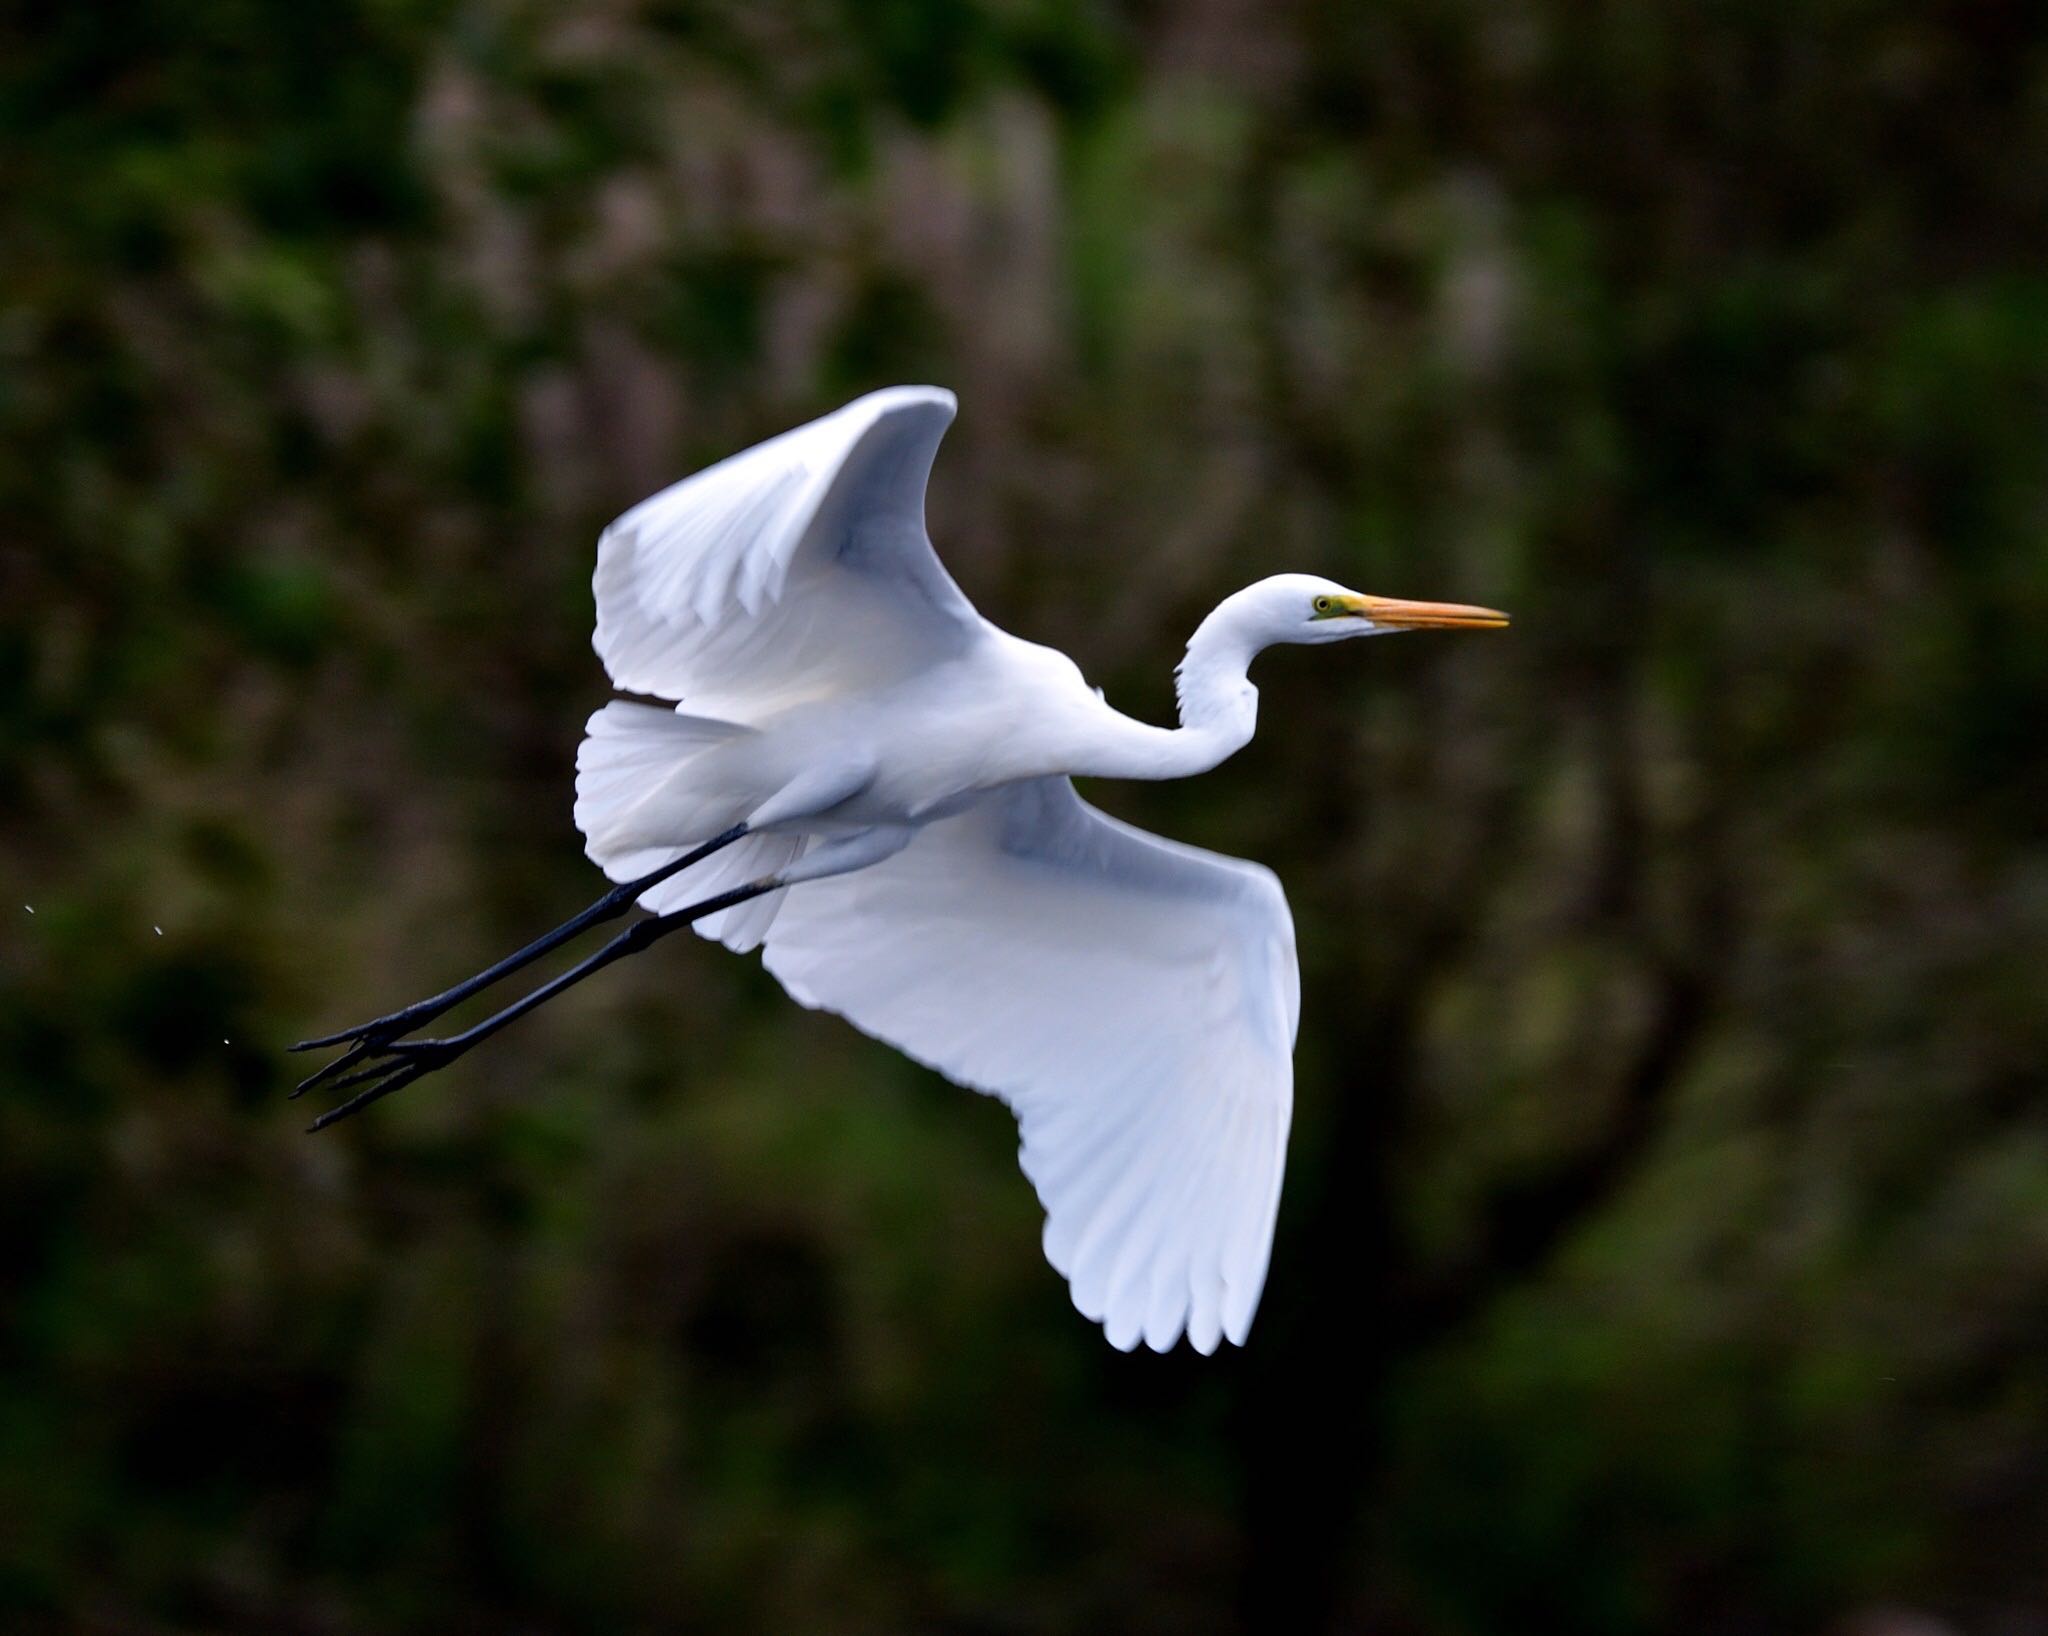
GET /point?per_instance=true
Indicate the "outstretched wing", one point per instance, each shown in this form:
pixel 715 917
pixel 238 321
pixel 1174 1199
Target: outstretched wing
pixel 797 569
pixel 1132 999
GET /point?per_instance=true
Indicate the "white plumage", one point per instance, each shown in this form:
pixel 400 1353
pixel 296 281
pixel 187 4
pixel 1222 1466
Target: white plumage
pixel 1133 1000
pixel 871 784
pixel 793 570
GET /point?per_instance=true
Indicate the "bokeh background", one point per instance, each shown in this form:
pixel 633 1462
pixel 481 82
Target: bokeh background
pixel 1665 1245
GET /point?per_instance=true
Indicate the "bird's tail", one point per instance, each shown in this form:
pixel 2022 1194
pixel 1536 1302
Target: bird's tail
pixel 648 788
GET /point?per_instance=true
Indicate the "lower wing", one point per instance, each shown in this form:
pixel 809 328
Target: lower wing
pixel 1132 999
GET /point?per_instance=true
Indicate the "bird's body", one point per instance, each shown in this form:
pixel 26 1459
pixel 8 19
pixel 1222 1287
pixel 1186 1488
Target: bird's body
pixel 966 744
pixel 856 772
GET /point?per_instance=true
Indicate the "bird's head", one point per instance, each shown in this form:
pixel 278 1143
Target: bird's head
pixel 1305 608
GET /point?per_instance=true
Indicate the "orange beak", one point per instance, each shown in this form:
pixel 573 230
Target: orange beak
pixel 1427 616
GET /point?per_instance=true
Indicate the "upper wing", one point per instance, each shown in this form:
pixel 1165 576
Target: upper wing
pixel 1134 1000
pixel 795 569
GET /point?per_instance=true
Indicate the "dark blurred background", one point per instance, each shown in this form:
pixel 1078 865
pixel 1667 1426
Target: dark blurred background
pixel 1665 1244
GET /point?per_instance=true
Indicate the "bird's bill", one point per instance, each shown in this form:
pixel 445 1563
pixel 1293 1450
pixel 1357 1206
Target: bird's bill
pixel 1398 615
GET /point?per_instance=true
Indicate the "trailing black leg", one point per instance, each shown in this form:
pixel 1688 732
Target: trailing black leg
pixel 397 1063
pixel 380 1030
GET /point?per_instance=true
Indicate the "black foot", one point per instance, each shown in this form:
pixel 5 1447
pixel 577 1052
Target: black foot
pixel 397 1064
pixel 378 1029
pixel 367 1037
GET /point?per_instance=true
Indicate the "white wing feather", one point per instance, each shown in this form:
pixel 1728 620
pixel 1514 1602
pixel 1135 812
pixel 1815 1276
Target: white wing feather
pixel 1132 999
pixel 796 569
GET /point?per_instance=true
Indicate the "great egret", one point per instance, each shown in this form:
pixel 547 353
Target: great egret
pixel 849 723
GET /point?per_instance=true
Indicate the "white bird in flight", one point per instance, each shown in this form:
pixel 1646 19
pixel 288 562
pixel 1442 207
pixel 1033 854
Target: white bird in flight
pixel 869 782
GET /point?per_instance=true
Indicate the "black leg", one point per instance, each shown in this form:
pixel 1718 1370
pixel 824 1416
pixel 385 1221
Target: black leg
pixel 379 1031
pixel 400 1062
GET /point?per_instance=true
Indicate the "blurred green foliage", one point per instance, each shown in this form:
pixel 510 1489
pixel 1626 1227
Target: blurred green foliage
pixel 1666 1238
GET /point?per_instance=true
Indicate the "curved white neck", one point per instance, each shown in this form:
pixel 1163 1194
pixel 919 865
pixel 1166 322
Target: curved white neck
pixel 1219 707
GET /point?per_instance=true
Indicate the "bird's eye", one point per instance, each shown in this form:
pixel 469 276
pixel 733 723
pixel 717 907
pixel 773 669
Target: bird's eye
pixel 1324 604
